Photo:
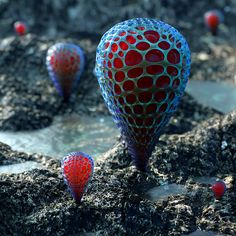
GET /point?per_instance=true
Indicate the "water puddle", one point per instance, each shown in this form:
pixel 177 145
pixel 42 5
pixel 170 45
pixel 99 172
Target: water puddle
pixel 162 192
pixel 203 233
pixel 93 135
pixel 218 95
pixel 206 180
pixel 20 167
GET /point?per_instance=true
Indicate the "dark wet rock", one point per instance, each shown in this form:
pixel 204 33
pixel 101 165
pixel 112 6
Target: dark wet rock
pixel 28 99
pixel 36 202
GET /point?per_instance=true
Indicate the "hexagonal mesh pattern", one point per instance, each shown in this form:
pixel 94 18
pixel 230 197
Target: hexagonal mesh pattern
pixel 142 66
pixel 77 170
pixel 65 63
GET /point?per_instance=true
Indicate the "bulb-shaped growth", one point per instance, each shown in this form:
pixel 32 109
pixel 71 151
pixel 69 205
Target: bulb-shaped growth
pixel 142 66
pixel 20 28
pixel 65 64
pixel 218 189
pixel 77 170
pixel 212 20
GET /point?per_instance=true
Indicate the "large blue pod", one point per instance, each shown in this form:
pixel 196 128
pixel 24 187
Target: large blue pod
pixel 142 66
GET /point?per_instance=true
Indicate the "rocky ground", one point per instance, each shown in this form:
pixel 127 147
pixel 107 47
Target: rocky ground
pixel 37 203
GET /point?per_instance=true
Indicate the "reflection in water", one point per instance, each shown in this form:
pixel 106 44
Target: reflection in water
pixel 20 167
pixel 218 95
pixel 162 192
pixel 93 135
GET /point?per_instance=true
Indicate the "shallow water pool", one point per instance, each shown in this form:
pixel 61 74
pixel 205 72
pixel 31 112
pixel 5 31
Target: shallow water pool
pixel 20 167
pixel 93 135
pixel 218 95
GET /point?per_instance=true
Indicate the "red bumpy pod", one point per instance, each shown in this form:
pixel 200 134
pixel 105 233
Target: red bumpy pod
pixel 77 170
pixel 65 63
pixel 218 189
pixel 212 20
pixel 142 66
pixel 20 28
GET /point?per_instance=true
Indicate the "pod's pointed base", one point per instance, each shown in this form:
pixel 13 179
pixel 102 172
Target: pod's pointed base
pixel 214 32
pixel 140 158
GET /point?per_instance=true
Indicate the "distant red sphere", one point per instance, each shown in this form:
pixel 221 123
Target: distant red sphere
pixel 20 28
pixel 212 20
pixel 218 189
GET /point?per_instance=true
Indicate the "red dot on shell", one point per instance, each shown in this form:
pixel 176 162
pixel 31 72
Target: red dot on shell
pixel 152 36
pixel 130 98
pixel 160 96
pixel 138 109
pixel 116 39
pixel 121 100
pixel 145 96
pixel 149 121
pixel 128 85
pixel 142 46
pixel 163 81
pixel 122 33
pixel 118 63
pixel 145 82
pixel 72 60
pixel 117 89
pixel 139 37
pixel 130 39
pixel 135 72
pixel 155 69
pixel 123 45
pixel 128 109
pixel 154 56
pixel 121 54
pixel 110 74
pixel 107 45
pixel 164 45
pixel 151 108
pixel 140 28
pixel 110 55
pixel 109 64
pixel 133 58
pixel 171 70
pixel 132 32
pixel 173 56
pixel 119 76
pixel 114 47
pixel 138 121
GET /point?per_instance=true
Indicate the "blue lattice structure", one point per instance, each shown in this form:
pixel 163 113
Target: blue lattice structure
pixel 77 170
pixel 142 66
pixel 65 63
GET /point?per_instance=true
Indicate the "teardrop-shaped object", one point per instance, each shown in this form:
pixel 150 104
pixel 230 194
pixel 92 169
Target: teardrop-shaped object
pixel 77 170
pixel 142 66
pixel 65 63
